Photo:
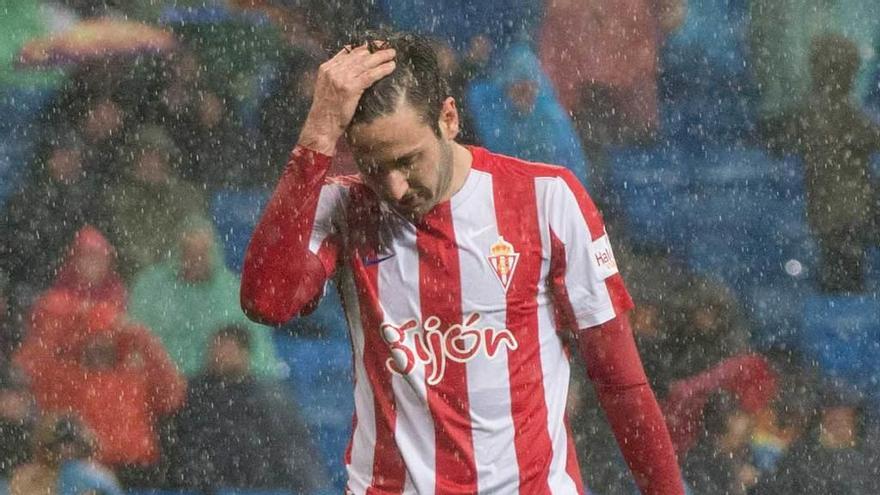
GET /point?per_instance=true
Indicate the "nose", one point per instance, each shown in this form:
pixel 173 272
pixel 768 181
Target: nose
pixel 395 185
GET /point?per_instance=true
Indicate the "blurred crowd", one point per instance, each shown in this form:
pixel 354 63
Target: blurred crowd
pixel 132 172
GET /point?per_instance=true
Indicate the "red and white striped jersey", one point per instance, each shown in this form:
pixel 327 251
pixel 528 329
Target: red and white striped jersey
pixel 461 377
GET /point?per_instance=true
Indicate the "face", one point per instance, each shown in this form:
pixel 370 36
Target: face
pixel 103 120
pixel 15 405
pixel 403 160
pixel 65 164
pixel 738 433
pixel 227 357
pixel 704 320
pixel 646 321
pixel 522 95
pixel 839 426
pixel 151 167
pixel 197 256
pixel 93 266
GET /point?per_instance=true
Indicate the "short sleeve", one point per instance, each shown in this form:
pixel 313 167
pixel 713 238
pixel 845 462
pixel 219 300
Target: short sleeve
pixel 587 287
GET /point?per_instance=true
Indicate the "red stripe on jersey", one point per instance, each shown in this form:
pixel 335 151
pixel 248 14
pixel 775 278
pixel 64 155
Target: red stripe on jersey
pixel 389 472
pixel 571 460
pixel 516 212
pixel 440 294
pixel 328 253
pixel 620 298
pixel 588 208
pixel 354 425
pixel 564 313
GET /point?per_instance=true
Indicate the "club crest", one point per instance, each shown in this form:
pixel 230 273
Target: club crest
pixel 503 260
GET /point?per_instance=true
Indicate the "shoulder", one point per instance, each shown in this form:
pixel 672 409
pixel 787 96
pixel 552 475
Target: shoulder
pixel 499 164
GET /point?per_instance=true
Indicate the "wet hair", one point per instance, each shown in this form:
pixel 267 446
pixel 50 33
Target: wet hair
pixel 417 78
pixel 236 333
pixel 834 62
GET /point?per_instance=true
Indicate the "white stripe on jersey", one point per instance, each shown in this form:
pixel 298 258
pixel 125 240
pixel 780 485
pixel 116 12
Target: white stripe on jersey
pixel 588 293
pixel 330 200
pixel 488 379
pixel 360 471
pixel 554 361
pixel 398 280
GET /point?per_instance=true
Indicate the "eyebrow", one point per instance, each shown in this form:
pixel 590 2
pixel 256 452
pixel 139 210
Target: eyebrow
pixel 407 157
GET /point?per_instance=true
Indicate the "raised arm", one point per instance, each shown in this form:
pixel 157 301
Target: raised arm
pixel 294 247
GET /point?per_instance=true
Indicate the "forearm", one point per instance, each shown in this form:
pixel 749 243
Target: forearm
pixel 280 274
pixel 636 420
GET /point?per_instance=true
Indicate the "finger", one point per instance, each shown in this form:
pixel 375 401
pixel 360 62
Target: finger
pixel 369 77
pixel 345 53
pixel 379 57
pixel 356 65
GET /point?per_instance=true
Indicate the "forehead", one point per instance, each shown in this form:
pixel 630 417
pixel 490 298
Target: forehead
pixel 389 136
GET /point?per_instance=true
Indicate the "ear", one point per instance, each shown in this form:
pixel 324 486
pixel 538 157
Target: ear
pixel 449 121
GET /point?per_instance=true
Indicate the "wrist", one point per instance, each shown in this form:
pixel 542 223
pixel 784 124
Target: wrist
pixel 320 137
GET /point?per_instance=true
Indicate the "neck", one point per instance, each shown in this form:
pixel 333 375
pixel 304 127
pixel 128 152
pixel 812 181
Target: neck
pixel 462 159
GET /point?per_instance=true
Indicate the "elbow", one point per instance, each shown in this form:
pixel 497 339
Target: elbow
pixel 271 298
pixel 262 309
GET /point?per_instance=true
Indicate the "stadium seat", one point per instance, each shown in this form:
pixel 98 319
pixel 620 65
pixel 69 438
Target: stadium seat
pixel 235 213
pixel 775 311
pixel 651 187
pixel 740 167
pixel 842 334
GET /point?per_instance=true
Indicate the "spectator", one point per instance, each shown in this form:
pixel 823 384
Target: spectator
pixel 186 298
pixel 521 117
pixel 749 378
pixel 239 432
pixel 833 456
pixel 720 461
pixel 149 201
pixel 213 145
pixel 86 277
pixel 836 140
pixel 656 281
pixel 787 421
pixel 40 221
pixel 604 66
pixel 713 328
pixel 17 415
pixel 118 378
pixel 780 37
pixel 88 272
pixel 62 463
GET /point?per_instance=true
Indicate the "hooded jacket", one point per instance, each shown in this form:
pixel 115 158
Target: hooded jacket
pixel 186 315
pixel 544 134
pixel 120 402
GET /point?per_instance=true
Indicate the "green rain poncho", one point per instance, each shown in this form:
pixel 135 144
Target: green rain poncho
pixel 186 315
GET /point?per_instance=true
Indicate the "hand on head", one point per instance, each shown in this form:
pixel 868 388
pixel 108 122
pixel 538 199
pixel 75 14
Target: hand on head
pixel 340 83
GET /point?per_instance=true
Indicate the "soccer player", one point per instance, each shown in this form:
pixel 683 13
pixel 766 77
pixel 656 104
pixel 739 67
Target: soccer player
pixel 459 269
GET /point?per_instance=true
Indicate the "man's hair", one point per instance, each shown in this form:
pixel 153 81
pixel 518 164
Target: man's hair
pixel 236 333
pixel 417 78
